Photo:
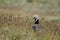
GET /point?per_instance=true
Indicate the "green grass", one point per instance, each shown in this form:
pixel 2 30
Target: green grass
pixel 1 1
pixel 30 1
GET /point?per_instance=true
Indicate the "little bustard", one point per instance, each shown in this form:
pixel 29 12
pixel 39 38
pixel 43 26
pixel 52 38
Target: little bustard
pixel 36 22
pixel 37 27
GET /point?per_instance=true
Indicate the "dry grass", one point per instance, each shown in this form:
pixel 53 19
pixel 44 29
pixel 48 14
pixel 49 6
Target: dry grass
pixel 17 25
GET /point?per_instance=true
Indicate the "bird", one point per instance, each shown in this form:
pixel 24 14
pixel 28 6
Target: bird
pixel 36 19
pixel 37 27
pixel 36 22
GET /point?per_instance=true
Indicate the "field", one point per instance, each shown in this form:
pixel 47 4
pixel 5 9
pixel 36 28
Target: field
pixel 16 19
pixel 16 24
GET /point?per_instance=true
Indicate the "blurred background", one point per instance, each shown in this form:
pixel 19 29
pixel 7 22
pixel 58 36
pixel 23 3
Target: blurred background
pixel 43 6
pixel 16 19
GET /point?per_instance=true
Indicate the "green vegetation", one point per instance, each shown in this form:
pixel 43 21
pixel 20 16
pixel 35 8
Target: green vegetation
pixel 29 1
pixel 1 1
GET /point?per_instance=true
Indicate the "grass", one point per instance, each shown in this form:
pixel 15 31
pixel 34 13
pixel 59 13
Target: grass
pixel 17 25
pixel 29 0
pixel 1 1
pixel 36 1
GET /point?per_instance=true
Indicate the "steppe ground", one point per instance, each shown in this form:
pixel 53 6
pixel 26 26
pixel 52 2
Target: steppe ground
pixel 16 24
